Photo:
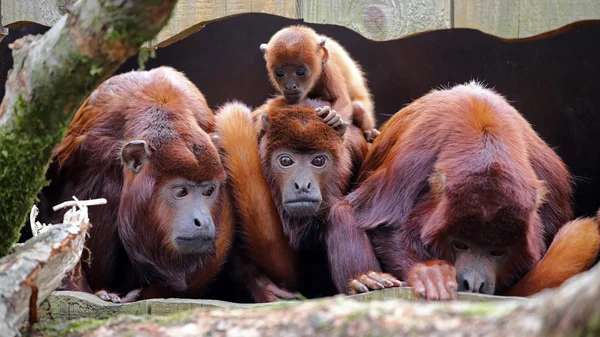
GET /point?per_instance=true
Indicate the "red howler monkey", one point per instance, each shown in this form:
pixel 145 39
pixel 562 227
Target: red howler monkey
pixel 140 140
pixel 459 193
pixel 303 64
pixel 285 177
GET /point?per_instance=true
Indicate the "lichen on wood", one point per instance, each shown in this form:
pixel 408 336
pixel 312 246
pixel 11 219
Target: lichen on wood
pixel 570 310
pixel 52 75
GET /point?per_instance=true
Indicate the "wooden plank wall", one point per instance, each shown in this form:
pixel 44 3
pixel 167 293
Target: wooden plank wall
pixel 375 19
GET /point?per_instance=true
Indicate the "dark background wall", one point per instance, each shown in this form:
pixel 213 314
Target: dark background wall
pixel 554 82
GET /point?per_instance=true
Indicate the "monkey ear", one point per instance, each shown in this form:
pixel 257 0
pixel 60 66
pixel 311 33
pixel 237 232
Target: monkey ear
pixel 214 137
pixel 437 182
pixel 322 40
pixel 263 47
pixel 135 154
pixel 541 193
pixel 341 129
pixel 265 122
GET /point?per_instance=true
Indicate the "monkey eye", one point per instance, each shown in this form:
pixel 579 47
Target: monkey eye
pixel 180 192
pixel 318 161
pixel 285 161
pixel 301 72
pixel 279 73
pixel 209 191
pixel 460 246
pixel 497 253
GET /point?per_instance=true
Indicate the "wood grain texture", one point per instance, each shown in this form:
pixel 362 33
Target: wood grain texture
pixel 19 12
pixel 381 19
pixel 192 15
pixel 517 19
pixel 375 19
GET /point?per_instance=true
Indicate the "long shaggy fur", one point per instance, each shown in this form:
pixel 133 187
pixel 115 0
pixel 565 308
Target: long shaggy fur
pixel 337 78
pixel 573 251
pixel 262 234
pixel 129 240
pixel 301 129
pixel 491 163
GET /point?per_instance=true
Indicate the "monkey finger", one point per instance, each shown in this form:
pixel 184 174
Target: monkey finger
pixel 337 124
pixel 132 296
pixel 329 116
pixel 281 293
pixel 418 287
pixel 386 279
pixel 115 298
pixel 371 283
pixel 337 120
pixel 358 287
pixel 322 111
pixel 103 295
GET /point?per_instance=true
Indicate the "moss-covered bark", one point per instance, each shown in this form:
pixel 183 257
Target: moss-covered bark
pixel 52 75
pixel 571 310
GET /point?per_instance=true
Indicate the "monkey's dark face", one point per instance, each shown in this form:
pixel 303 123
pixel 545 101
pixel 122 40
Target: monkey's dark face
pixel 294 81
pixel 189 203
pixel 476 266
pixel 301 175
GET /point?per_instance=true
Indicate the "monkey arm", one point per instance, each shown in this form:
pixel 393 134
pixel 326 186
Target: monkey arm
pixel 352 261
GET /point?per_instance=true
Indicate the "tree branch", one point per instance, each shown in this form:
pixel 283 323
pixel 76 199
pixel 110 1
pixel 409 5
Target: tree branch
pixel 52 75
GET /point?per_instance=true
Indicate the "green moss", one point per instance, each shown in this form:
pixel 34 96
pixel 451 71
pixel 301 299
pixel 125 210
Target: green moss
pixel 69 328
pixel 24 154
pixel 487 309
pixel 143 56
pixel 96 69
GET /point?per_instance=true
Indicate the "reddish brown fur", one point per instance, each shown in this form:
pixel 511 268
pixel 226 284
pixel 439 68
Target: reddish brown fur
pixel 334 76
pixel 262 231
pixel 491 163
pixel 573 251
pixel 297 127
pixel 128 240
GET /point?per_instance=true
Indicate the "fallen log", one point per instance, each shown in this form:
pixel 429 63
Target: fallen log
pixel 570 310
pixel 37 267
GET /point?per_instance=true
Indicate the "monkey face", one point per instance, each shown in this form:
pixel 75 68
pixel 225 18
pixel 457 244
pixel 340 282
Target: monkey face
pixel 293 80
pixel 476 266
pixel 192 227
pixel 301 176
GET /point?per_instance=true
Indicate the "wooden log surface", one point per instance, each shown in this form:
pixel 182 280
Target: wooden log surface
pixel 69 305
pixel 37 267
pixel 570 310
pixel 375 19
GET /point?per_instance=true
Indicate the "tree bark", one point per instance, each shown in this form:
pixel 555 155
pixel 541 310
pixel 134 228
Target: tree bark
pixel 571 310
pixel 37 267
pixel 52 75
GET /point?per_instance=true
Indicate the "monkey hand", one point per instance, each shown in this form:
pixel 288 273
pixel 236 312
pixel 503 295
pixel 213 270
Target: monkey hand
pixel 370 135
pixel 434 280
pixel 264 290
pixel 332 118
pixel 373 281
pixel 131 296
pixel 108 297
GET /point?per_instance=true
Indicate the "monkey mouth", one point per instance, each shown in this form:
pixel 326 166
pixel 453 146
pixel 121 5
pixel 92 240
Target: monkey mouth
pixel 195 244
pixel 302 207
pixel 292 97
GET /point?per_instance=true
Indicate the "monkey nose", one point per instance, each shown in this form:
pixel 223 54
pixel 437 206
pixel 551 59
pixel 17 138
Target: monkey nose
pixel 472 283
pixel 302 186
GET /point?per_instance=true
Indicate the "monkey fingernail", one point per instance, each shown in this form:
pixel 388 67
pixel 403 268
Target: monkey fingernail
pixel 388 283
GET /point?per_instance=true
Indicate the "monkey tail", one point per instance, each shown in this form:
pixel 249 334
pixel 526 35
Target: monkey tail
pixel 259 223
pixel 573 250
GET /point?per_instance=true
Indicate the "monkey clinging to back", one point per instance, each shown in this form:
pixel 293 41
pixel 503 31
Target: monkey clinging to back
pixel 303 64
